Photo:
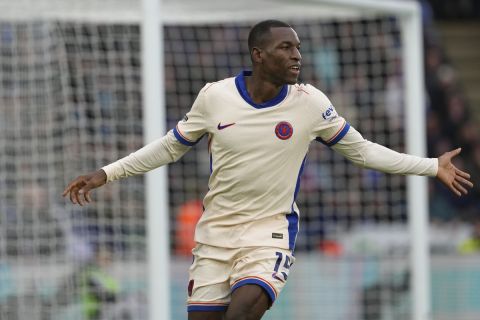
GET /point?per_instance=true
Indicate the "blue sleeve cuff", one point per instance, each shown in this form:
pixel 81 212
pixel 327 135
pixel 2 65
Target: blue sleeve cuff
pixel 184 140
pixel 335 138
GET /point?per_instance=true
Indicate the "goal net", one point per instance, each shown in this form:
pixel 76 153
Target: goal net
pixel 71 102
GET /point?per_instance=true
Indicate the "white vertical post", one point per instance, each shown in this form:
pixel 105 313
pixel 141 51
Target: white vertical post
pixel 412 37
pixel 154 123
pixel 417 195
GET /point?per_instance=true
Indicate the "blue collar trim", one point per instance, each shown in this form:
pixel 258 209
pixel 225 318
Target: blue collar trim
pixel 242 89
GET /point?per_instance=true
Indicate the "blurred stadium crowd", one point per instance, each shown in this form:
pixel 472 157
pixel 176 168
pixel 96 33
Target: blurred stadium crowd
pixel 450 117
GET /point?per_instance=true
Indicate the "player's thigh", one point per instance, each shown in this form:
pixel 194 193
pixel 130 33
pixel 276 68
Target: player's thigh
pixel 206 315
pixel 248 302
pixel 257 279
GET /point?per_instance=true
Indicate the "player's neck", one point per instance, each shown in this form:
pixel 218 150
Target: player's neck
pixel 260 89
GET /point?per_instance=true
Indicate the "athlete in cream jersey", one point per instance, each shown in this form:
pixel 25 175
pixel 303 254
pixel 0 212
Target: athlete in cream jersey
pixel 247 205
pixel 257 155
pixel 248 230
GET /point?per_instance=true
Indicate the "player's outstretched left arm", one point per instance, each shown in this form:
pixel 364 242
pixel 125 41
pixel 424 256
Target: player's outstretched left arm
pixel 453 178
pixel 374 156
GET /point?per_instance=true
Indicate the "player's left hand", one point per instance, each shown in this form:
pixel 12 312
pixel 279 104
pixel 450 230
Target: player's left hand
pixel 455 179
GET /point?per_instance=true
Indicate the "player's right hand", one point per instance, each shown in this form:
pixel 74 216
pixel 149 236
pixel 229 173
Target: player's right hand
pixel 79 189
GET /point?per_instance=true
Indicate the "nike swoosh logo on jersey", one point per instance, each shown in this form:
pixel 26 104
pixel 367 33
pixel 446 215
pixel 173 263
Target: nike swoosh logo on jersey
pixel 220 127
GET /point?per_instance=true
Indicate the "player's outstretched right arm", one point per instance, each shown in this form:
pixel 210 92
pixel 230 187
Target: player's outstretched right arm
pixel 155 154
pixel 79 188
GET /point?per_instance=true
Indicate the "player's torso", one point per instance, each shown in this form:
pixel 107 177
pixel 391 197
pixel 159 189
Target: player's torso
pixel 256 156
pixel 242 133
pixel 257 149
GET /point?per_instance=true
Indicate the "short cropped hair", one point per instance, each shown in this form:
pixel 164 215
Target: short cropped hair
pixel 261 30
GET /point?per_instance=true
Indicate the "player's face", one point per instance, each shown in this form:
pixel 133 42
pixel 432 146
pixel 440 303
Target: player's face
pixel 281 56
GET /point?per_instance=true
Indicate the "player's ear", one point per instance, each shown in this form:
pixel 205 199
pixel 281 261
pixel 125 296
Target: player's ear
pixel 256 55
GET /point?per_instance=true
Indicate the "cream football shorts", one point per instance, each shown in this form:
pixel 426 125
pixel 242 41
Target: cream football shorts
pixel 216 272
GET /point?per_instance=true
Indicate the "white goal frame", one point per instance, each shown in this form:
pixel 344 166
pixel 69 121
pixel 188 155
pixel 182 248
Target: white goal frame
pixel 188 11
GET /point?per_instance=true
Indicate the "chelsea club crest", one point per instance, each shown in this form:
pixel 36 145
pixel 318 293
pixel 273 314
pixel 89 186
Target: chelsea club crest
pixel 284 130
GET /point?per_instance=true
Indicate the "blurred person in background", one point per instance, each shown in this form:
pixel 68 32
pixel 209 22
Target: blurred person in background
pixel 188 215
pixel 472 244
pixel 97 290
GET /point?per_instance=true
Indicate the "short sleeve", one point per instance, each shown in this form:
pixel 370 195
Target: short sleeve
pixel 329 127
pixel 193 126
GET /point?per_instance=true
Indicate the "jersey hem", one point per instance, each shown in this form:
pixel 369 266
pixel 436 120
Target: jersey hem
pixel 256 245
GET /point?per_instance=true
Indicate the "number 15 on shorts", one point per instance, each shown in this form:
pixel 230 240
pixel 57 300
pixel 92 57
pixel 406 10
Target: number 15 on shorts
pixel 282 266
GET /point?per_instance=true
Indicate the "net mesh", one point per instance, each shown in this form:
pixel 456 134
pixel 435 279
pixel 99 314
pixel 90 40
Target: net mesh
pixel 70 102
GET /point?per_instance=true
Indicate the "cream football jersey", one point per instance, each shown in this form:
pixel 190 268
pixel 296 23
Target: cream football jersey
pixel 257 154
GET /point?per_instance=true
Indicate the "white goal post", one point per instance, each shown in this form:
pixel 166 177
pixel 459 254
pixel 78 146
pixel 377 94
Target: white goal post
pixel 52 81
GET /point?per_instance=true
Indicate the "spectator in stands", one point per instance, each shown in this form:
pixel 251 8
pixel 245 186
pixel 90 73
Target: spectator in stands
pixel 186 220
pixel 449 118
pixel 97 288
pixel 472 244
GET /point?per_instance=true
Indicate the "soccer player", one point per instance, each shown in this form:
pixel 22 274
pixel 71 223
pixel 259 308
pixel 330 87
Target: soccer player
pixel 259 126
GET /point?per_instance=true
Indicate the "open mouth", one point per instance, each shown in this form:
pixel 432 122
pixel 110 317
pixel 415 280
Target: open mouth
pixel 294 69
